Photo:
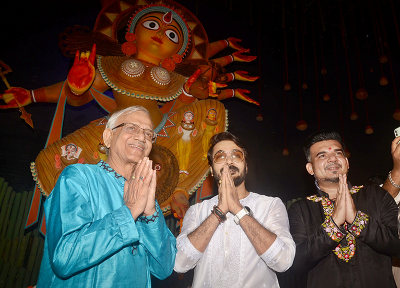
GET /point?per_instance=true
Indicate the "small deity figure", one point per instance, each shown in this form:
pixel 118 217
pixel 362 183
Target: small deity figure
pixel 70 151
pixel 184 144
pixel 210 127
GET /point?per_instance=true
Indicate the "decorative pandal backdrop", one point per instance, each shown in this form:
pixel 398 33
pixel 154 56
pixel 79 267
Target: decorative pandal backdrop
pixel 339 98
pixel 326 96
pixel 301 125
pixel 396 114
pixel 316 78
pixel 41 39
pixel 148 79
pixel 270 31
pixel 383 80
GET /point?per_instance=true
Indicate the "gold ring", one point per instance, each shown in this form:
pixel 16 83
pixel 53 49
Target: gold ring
pixel 220 181
pixel 133 177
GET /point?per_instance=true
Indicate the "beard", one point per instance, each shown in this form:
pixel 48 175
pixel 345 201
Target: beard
pixel 237 180
pixel 332 179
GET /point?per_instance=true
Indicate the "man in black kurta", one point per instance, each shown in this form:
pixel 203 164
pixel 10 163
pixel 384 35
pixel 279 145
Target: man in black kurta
pixel 345 236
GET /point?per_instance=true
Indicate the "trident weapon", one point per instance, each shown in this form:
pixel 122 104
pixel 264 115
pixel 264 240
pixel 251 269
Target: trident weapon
pixel 24 115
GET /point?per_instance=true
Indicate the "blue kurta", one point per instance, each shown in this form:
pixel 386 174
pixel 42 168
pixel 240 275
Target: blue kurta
pixel 92 239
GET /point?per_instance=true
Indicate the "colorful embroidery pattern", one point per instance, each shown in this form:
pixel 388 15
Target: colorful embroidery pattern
pixel 332 230
pixel 342 252
pixel 358 224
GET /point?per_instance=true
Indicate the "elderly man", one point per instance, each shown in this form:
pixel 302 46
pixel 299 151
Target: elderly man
pixel 104 226
pixel 345 235
pixel 238 238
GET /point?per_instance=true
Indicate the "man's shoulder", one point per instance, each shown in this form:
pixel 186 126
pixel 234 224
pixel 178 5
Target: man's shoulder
pixel 260 197
pixel 262 201
pixel 370 191
pixel 373 194
pixel 300 204
pixel 80 167
pixel 81 172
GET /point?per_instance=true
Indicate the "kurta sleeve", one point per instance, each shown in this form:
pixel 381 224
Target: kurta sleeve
pixel 187 255
pixel 75 240
pixel 159 243
pixel 311 248
pixel 280 254
pixel 381 236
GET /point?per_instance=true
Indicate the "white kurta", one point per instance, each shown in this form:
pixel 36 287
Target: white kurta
pixel 230 259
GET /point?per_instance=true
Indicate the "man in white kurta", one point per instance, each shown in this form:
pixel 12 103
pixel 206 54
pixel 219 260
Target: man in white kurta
pixel 227 254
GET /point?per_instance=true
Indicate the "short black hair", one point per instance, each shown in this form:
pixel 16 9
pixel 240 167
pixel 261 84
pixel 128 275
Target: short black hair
pixel 226 136
pixel 321 136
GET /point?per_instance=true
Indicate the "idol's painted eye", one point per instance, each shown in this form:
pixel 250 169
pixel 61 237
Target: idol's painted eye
pixel 172 35
pixel 151 24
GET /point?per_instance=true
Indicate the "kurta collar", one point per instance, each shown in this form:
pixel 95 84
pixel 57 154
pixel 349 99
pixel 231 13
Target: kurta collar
pixel 322 193
pixel 121 179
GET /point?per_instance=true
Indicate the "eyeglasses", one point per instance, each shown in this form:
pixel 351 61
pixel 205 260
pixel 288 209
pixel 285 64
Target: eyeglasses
pixel 220 157
pixel 134 129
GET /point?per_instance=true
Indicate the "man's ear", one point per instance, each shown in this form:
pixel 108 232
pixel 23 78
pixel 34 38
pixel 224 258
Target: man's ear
pixel 211 171
pixel 309 168
pixel 107 136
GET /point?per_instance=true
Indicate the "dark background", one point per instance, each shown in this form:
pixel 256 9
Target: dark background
pixel 29 45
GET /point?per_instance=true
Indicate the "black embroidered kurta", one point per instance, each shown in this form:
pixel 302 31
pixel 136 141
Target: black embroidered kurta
pixel 377 241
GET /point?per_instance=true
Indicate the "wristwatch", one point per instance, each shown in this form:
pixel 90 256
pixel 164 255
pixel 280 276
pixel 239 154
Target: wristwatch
pixel 245 211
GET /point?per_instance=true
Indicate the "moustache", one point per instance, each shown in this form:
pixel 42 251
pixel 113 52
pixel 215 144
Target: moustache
pixel 231 168
pixel 139 144
pixel 333 164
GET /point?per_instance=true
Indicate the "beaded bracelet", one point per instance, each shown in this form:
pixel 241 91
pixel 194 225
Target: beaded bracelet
pixel 392 182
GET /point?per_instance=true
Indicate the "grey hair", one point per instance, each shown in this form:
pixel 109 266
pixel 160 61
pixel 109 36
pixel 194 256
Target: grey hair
pixel 114 117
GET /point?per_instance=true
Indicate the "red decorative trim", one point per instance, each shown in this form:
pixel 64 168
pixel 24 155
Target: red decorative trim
pixel 228 59
pixel 224 43
pixel 40 95
pixel 185 97
pixel 229 93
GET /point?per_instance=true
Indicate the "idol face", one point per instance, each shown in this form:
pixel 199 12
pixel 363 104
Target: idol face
pixel 70 150
pixel 188 117
pixel 157 40
pixel 212 114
